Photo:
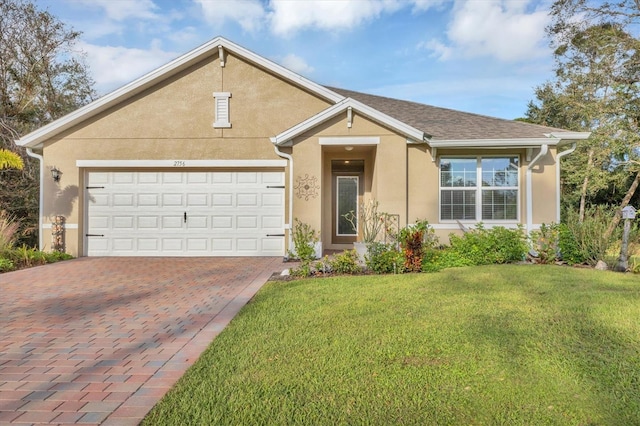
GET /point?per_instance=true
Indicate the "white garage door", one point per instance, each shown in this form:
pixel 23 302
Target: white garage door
pixel 184 213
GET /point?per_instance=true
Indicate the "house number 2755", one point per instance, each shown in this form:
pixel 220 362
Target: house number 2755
pixel 179 163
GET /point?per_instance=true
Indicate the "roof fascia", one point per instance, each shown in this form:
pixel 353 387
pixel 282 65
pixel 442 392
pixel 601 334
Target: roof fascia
pixel 567 136
pixel 494 143
pixel 101 104
pixel 286 138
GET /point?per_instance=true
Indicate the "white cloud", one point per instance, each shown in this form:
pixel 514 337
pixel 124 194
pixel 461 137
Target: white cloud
pixel 125 9
pixel 296 64
pixel 114 66
pixel 502 29
pixel 248 13
pixel 287 17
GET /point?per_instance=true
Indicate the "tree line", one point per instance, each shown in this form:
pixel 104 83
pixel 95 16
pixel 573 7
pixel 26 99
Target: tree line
pixel 596 89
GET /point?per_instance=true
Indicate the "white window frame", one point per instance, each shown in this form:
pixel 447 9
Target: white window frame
pixel 221 106
pixel 478 190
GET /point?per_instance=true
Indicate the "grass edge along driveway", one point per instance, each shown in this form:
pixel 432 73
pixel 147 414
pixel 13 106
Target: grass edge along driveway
pixel 516 344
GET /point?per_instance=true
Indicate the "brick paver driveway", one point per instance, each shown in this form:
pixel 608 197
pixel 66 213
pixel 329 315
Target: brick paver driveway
pixel 101 340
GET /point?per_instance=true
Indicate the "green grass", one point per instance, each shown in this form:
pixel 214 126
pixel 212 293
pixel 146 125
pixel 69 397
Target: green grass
pixel 511 345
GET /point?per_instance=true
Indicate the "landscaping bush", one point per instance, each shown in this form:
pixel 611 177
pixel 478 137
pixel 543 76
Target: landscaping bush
pixel 56 256
pixel 345 263
pixel 6 265
pixel 589 235
pixel 482 246
pixel 568 246
pixel 384 259
pixel 545 243
pixel 438 259
pixel 414 240
pixel 304 242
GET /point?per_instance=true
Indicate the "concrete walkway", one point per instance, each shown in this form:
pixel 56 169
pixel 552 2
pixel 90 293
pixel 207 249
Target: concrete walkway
pixel 101 340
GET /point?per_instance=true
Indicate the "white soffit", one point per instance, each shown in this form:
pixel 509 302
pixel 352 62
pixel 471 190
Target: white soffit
pixel 177 164
pixel 181 63
pixel 350 140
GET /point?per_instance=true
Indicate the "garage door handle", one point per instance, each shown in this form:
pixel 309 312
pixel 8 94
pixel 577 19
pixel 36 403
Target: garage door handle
pixel 94 235
pixel 275 235
pixel 185 217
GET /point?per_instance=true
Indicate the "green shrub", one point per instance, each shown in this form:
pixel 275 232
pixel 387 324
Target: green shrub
pixel 545 242
pixel 483 246
pixel 6 265
pixel 589 235
pixel 384 258
pixel 56 256
pixel 304 242
pixel 438 259
pixel 568 246
pixel 345 263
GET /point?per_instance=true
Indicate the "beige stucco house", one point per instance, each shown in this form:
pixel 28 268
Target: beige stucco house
pixel 215 154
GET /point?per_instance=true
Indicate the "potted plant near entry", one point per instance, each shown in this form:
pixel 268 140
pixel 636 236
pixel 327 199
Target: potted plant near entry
pixel 368 223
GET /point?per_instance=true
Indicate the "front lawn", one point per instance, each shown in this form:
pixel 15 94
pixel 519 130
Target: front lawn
pixel 517 344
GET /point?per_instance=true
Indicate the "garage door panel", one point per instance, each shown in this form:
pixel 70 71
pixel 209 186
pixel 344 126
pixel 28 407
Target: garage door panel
pixel 123 178
pixel 247 222
pixel 222 200
pixel 247 200
pixel 197 200
pixel 148 200
pixel 197 222
pixel 123 222
pixel 173 178
pixel 149 244
pixel 197 178
pixel 143 213
pixel 222 222
pixel 169 200
pixel 123 244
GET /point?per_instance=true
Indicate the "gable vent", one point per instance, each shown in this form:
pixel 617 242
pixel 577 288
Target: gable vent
pixel 222 109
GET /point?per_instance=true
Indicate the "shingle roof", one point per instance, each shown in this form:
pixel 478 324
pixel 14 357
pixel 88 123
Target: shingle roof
pixel 448 124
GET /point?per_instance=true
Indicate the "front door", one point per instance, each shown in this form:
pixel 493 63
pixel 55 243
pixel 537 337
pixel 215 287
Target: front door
pixel 347 184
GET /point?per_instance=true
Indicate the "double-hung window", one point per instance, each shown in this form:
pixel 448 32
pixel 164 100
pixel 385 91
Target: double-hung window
pixel 479 188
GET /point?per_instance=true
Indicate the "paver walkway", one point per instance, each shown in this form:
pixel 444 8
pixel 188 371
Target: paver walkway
pixel 101 340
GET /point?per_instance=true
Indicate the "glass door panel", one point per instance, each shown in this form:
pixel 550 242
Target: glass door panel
pixel 346 202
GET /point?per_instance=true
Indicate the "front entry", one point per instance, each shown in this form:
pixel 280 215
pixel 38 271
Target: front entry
pixel 347 178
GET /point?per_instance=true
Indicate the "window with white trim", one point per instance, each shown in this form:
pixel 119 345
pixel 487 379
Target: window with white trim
pixel 482 188
pixel 222 109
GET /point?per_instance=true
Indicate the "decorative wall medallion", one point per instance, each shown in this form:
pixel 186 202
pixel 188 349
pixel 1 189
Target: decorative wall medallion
pixel 306 187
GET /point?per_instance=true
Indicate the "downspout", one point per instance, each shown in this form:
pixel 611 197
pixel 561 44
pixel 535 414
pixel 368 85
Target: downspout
pixel 30 153
pixel 290 158
pixel 558 157
pixel 544 148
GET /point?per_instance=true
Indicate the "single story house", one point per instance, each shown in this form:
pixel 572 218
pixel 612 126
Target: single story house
pixel 217 152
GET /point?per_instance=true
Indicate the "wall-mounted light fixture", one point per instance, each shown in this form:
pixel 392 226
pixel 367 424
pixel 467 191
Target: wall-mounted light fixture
pixel 55 174
pixel 348 148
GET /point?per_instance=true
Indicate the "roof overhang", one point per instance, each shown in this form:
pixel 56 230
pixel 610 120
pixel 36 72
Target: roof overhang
pixel 214 47
pixel 346 105
pixel 551 139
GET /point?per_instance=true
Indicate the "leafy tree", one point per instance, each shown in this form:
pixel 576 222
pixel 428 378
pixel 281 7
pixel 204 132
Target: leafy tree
pixel 596 89
pixel 42 78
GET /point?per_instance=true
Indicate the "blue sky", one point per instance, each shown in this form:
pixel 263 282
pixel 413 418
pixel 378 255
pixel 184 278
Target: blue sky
pixel 482 56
